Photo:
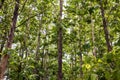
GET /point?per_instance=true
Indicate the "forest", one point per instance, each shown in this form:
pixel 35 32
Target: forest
pixel 59 39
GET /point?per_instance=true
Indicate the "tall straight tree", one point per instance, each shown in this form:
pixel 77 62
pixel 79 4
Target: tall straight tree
pixel 4 61
pixel 105 27
pixel 60 43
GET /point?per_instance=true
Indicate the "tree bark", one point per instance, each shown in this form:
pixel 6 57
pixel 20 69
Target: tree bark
pixel 105 27
pixel 4 61
pixel 60 43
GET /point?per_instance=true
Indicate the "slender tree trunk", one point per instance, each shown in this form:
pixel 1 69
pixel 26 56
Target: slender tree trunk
pixel 80 56
pixel 45 66
pixel 81 62
pixel 47 56
pixel 42 61
pixel 4 61
pixel 75 61
pixel 38 46
pixel 60 43
pixel 71 66
pixel 105 28
pixel 93 38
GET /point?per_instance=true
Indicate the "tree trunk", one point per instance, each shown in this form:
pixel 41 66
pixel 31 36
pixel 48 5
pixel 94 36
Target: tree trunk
pixel 4 61
pixel 80 54
pixel 81 63
pixel 72 72
pixel 38 46
pixel 60 44
pixel 105 28
pixel 93 38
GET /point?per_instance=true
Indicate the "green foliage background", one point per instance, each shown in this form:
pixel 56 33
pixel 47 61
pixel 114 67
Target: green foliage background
pixel 39 19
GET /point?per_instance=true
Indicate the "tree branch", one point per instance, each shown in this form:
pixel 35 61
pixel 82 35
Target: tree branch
pixel 27 20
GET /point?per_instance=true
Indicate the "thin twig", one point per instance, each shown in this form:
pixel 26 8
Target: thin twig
pixel 23 7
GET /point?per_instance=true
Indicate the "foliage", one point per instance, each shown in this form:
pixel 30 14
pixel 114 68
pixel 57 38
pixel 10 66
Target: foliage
pixel 34 50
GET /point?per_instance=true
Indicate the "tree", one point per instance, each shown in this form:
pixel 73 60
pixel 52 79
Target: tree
pixel 4 61
pixel 60 43
pixel 105 28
